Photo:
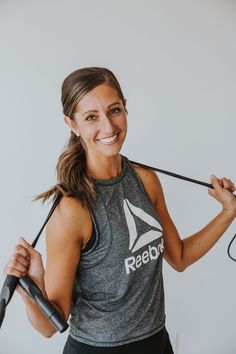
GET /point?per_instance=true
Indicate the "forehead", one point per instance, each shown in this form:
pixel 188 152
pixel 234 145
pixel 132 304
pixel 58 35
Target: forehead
pixel 101 96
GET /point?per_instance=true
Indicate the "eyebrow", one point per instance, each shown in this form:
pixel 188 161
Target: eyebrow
pixel 94 110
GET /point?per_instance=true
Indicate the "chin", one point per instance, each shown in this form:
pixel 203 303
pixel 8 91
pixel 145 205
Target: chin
pixel 111 150
pixel 111 153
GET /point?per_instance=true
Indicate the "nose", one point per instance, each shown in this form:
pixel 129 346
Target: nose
pixel 106 124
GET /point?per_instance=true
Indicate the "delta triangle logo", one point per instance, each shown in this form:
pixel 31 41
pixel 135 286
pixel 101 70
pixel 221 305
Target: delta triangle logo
pixel 137 218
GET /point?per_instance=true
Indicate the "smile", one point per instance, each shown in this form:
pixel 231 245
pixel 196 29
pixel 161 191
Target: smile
pixel 109 140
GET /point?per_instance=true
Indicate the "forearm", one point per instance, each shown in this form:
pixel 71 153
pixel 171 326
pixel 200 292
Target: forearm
pixel 196 246
pixel 37 318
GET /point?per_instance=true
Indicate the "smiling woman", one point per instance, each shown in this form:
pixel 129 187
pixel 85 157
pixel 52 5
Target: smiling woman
pixel 94 108
pixel 100 122
pixel 107 237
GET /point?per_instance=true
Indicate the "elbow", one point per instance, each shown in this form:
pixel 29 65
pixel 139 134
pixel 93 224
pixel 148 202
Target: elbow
pixel 179 268
pixel 177 260
pixel 48 334
pixel 179 265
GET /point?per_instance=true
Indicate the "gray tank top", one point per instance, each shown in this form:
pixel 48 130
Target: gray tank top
pixel 118 294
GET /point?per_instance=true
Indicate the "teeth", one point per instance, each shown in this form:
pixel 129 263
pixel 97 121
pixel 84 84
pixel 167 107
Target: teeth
pixel 108 140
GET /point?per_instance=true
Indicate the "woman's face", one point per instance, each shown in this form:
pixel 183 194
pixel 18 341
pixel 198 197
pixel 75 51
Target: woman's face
pixel 100 119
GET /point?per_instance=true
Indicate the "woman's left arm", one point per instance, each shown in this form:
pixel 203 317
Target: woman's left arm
pixel 197 245
pixel 182 253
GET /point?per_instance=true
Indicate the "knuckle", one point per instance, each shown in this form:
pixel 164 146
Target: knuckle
pixel 12 259
pixel 14 263
pixel 17 248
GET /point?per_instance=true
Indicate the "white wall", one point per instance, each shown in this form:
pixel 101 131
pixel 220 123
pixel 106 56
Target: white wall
pixel 176 63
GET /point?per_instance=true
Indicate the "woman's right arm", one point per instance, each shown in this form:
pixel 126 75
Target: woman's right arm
pixel 67 232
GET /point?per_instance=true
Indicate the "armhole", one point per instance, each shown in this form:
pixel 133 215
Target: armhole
pixel 91 242
pixel 93 239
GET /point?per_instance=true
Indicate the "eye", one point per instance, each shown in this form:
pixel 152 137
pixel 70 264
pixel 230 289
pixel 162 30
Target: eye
pixel 89 118
pixel 115 110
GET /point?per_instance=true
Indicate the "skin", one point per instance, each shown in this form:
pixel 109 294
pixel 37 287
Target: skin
pixel 70 227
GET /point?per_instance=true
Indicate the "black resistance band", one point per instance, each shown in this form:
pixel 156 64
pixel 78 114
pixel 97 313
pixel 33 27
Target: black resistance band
pixel 12 281
pixel 209 185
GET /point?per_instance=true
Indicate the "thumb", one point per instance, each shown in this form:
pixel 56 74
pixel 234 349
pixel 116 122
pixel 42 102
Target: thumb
pixel 215 183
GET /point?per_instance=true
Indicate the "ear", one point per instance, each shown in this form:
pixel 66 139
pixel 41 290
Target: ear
pixel 71 124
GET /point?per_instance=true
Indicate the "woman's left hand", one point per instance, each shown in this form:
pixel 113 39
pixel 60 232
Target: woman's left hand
pixel 223 193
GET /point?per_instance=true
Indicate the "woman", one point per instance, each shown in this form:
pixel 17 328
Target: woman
pixel 106 239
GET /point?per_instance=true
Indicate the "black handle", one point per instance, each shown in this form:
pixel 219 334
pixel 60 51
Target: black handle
pixel 45 305
pixel 7 291
pixel 11 281
pixel 8 288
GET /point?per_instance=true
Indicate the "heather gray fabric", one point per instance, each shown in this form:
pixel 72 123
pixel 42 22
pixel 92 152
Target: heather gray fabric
pixel 118 295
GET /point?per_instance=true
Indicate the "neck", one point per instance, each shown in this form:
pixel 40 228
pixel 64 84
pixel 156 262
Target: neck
pixel 104 167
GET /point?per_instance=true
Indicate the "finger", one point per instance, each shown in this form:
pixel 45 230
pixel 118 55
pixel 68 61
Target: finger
pixel 13 271
pixel 221 182
pixel 215 183
pixel 226 183
pixel 17 258
pixel 22 251
pixel 14 263
pixel 233 187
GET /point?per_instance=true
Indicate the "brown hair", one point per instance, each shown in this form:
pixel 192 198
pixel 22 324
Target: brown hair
pixel 72 177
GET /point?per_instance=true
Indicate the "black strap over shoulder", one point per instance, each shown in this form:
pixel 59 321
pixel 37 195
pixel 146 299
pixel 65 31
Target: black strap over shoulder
pixel 56 202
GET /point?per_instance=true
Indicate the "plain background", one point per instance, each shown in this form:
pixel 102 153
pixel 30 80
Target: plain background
pixel 175 61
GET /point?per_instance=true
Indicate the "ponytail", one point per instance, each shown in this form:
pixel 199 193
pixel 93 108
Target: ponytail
pixel 72 177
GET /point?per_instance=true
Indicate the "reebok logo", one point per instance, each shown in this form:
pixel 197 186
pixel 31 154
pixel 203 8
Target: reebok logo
pixel 137 218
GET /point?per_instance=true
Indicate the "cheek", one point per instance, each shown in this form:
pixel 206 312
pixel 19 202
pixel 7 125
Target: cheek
pixel 122 122
pixel 88 131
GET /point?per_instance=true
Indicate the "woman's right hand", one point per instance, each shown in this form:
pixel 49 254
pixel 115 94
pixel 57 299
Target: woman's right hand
pixel 26 260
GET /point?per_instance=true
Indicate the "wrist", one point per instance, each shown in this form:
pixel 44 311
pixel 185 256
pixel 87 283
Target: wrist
pixel 230 210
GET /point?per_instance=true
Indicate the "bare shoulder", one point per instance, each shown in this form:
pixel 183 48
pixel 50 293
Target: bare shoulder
pixel 70 221
pixel 145 173
pixel 150 181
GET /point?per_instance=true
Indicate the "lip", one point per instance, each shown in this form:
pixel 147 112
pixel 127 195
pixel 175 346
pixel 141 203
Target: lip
pixel 109 143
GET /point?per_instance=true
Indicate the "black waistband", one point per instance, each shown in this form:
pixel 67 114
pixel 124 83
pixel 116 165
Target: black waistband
pixel 159 343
